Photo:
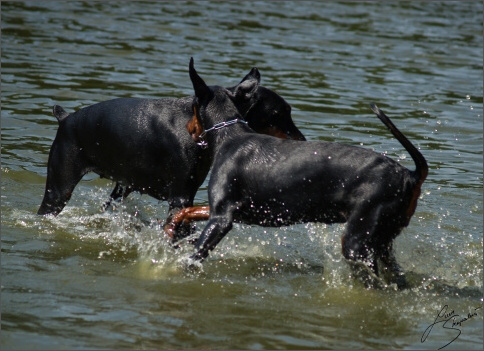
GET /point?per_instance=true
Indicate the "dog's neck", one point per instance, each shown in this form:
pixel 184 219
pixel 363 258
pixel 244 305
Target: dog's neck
pixel 202 137
pixel 219 132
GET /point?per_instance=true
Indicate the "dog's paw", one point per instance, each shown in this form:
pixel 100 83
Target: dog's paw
pixel 178 232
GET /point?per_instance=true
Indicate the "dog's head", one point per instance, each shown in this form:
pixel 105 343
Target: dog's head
pixel 265 111
pixel 214 104
pixel 271 114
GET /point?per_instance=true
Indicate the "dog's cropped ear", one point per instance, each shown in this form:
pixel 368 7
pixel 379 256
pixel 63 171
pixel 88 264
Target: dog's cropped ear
pixel 245 90
pixel 253 74
pixel 202 91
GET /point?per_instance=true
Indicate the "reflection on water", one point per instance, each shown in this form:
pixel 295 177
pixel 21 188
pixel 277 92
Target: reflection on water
pixel 88 279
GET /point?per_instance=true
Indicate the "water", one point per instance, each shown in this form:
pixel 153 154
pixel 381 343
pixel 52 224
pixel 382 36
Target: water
pixel 91 280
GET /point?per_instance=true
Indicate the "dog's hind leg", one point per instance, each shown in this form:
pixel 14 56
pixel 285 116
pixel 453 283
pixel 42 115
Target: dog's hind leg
pixel 390 268
pixel 63 174
pixel 368 239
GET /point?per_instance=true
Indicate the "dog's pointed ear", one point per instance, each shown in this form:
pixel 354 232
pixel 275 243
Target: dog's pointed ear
pixel 202 91
pixel 245 90
pixel 253 74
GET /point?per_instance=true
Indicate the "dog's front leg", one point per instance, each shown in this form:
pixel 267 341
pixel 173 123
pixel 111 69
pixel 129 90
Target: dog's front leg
pixel 177 223
pixel 216 229
pixel 119 192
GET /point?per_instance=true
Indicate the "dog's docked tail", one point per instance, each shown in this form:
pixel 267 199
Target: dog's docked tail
pixel 59 113
pixel 422 168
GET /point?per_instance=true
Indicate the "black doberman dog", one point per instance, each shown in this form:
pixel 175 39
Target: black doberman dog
pixel 259 179
pixel 142 144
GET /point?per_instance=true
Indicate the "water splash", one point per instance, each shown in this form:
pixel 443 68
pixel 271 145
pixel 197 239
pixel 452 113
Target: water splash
pixel 133 231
